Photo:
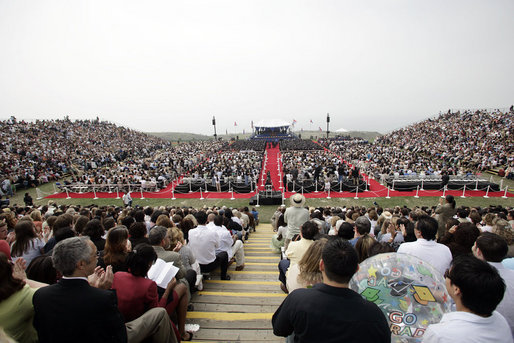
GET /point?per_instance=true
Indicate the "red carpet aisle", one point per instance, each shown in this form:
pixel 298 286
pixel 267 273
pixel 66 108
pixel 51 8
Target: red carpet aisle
pixel 272 165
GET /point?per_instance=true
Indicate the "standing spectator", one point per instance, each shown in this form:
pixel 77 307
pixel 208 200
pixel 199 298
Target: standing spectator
pixel 445 210
pixel 294 217
pixel 127 199
pixel 27 199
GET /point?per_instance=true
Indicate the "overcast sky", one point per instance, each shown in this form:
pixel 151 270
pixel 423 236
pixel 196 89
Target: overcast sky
pixel 171 65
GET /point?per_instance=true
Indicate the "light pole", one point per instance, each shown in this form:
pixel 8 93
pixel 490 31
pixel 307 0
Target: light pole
pixel 214 124
pixel 328 123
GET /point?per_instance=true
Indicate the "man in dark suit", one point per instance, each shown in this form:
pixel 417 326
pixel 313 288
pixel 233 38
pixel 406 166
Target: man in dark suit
pixel 74 311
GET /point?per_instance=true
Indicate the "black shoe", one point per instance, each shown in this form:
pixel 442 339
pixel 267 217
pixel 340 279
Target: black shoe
pixel 226 277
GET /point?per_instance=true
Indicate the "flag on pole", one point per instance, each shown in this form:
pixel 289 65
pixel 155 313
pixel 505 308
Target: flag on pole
pixel 235 124
pixel 311 121
pixel 252 124
pixel 320 128
pixel 226 132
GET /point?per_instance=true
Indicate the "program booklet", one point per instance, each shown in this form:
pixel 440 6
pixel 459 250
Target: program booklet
pixel 162 272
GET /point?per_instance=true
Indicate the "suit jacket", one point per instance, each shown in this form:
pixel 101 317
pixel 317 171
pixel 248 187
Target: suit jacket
pixel 73 311
pixel 444 213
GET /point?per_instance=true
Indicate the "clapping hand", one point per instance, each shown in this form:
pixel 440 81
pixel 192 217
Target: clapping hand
pixel 18 269
pixel 177 247
pixel 101 278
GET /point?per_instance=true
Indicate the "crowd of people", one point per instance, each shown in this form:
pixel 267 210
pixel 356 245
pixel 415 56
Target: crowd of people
pixel 459 143
pixel 56 263
pixel 322 248
pixel 227 166
pixel 317 166
pixel 37 152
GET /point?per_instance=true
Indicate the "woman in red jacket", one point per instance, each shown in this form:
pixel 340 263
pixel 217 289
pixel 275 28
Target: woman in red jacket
pixel 137 294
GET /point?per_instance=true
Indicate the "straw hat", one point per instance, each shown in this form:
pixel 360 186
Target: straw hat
pixel 297 200
pixel 387 215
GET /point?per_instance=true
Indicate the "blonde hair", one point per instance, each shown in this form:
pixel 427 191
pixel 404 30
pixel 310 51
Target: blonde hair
pixel 176 236
pixel 309 264
pixel 334 220
pixel 36 216
pixel 503 229
pixel 193 219
pixel 165 221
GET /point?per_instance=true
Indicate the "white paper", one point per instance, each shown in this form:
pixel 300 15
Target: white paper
pixel 162 272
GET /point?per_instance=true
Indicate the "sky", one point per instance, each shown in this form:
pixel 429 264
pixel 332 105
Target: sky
pixel 170 66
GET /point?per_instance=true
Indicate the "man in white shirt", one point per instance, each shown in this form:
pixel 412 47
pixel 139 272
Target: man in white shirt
pixel 228 243
pixel 493 248
pixel 425 247
pixel 476 288
pixel 204 242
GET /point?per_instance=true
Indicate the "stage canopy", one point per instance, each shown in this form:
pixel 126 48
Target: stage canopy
pixel 272 123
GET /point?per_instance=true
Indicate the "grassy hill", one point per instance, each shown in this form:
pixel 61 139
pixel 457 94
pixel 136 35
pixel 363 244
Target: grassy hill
pixel 185 137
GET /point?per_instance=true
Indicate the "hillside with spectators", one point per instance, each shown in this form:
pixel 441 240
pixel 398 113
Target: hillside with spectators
pixel 458 143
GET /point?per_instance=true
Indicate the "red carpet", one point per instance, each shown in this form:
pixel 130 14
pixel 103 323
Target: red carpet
pixel 375 189
pixel 272 164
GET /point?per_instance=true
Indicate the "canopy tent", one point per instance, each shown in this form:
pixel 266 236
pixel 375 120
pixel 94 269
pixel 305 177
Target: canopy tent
pixel 341 130
pixel 272 123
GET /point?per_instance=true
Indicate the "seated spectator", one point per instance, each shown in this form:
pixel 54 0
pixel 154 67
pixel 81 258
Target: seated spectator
pixel 460 238
pixel 364 245
pixel 227 242
pixel 346 231
pixel 278 239
pixel 204 242
pixel 117 247
pixel 503 229
pixel 62 309
pixel 27 244
pixel 493 249
pixel 136 294
pixel 477 289
pixel 306 273
pixel 187 256
pixel 330 311
pixel 41 269
pixel 16 292
pixel 138 234
pixel 362 227
pixel 94 230
pixel 296 250
pixel 425 247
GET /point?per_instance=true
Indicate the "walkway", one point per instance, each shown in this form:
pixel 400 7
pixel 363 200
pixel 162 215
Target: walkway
pixel 240 310
pixel 271 163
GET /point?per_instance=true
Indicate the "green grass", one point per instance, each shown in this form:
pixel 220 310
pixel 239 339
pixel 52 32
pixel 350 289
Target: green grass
pixel 267 211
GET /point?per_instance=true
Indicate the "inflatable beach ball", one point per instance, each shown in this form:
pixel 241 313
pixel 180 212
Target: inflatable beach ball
pixel 410 292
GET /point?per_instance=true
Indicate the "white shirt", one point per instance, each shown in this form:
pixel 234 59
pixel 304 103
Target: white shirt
pixel 466 327
pixel 438 255
pixel 203 242
pixel 506 306
pixel 225 239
